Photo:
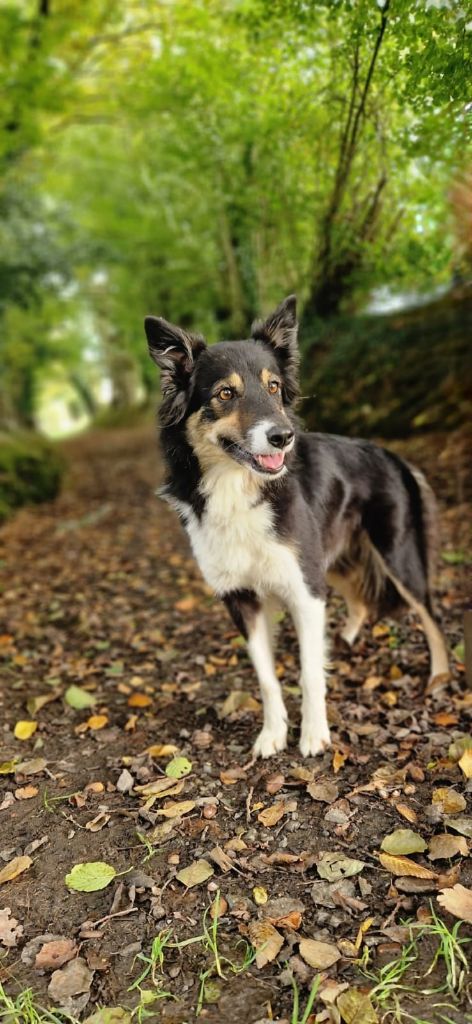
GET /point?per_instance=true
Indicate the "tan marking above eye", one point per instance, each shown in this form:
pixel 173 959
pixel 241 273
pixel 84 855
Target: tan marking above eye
pixel 268 380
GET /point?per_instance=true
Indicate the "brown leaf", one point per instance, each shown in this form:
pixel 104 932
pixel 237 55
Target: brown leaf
pixel 221 858
pixel 14 868
pixel 406 812
pixel 271 815
pixel 230 776
pixel 10 929
pixel 356 1008
pixel 267 941
pixel 176 808
pixel 69 981
pixel 26 792
pixel 325 792
pixel 318 954
pixel 465 763
pixel 54 954
pixel 457 901
pixel 195 874
pixel 404 866
pixel 443 846
pixel 449 800
pixel 274 783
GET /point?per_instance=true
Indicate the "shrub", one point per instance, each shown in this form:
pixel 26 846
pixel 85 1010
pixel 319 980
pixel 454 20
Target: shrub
pixel 30 471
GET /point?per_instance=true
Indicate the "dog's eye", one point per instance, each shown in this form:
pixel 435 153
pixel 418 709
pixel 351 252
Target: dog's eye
pixel 225 394
pixel 274 387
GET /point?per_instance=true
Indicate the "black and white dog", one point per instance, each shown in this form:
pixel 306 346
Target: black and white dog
pixel 275 514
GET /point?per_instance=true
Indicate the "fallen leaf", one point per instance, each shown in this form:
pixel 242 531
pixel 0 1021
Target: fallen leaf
pixel 457 901
pixel 14 868
pixel 220 857
pixel 26 792
pixel 162 750
pixel 34 704
pixel 110 1015
pixel 156 788
pixel 10 929
pixel 449 800
pixel 267 941
pixel 445 718
pixel 403 840
pixel 465 763
pixel 230 776
pixel 71 980
pixel 326 792
pixel 443 846
pixel 139 700
pixel 333 866
pixel 34 766
pixel 178 768
pixel 458 747
pixel 97 823
pixel 24 730
pixel 404 866
pixel 461 824
pixel 175 809
pixel 8 767
pixel 78 698
pixel 338 761
pixel 260 895
pixel 195 874
pixel 406 812
pixel 319 955
pixel 238 701
pixel 125 781
pixel 271 815
pixel 96 722
pixel 90 876
pixel 274 783
pixel 54 954
pixel 355 1007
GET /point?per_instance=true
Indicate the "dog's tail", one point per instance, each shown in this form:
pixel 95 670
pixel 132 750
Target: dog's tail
pixel 430 519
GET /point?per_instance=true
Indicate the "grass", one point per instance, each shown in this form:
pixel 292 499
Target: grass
pixel 295 1017
pixel 23 1010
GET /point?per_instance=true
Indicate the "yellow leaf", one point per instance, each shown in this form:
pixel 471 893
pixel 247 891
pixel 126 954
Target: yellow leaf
pixel 466 763
pixel 97 722
pixel 355 1007
pixel 338 761
pixel 451 801
pixel 363 928
pixel 24 730
pixel 406 812
pixel 380 630
pixel 395 672
pixel 14 868
pixel 162 750
pixel 271 815
pixel 177 808
pixel 139 700
pixel 399 865
pixel 260 895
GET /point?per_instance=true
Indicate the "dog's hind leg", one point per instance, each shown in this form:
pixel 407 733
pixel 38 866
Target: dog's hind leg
pixel 256 625
pixel 356 608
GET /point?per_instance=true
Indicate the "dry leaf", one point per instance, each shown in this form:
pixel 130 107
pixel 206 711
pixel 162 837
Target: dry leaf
pixel 230 776
pixel 24 730
pixel 195 874
pixel 403 840
pixel 26 792
pixel 271 815
pixel 405 866
pixel 221 858
pixel 465 763
pixel 318 954
pixel 10 929
pixel 443 846
pixel 457 901
pixel 267 941
pixel 14 868
pixel 162 750
pixel 97 823
pixel 326 792
pixel 406 812
pixel 139 700
pixel 333 866
pixel 96 722
pixel 356 1008
pixel 450 801
pixel 54 954
pixel 260 895
pixel 338 761
pixel 176 808
pixel 461 824
pixel 159 787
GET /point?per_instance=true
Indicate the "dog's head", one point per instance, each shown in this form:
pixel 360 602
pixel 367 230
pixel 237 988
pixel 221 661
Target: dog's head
pixel 235 396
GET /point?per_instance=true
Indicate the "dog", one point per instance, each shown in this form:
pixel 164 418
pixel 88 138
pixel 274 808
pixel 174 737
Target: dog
pixel 275 515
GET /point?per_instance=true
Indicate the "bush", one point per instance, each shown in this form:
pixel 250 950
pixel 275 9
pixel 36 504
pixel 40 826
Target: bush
pixel 30 471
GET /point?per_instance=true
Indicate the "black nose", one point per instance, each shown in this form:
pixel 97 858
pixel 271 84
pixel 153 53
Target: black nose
pixel 280 437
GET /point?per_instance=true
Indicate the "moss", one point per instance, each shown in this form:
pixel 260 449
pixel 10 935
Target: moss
pixel 30 471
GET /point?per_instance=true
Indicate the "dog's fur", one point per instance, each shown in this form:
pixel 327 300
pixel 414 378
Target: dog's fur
pixel 275 514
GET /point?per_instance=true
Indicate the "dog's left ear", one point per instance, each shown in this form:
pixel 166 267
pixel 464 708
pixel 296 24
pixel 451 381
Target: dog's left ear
pixel 280 331
pixel 175 351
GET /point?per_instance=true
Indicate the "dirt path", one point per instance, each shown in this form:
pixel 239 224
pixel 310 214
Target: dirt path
pixel 100 592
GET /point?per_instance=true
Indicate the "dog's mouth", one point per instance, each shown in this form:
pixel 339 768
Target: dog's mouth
pixel 271 463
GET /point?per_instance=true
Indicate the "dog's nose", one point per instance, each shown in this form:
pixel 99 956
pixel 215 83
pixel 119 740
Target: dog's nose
pixel 280 437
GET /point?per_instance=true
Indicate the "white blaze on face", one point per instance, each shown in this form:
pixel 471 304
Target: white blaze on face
pixel 268 456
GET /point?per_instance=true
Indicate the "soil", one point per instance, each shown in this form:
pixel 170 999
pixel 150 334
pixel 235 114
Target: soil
pixel 100 591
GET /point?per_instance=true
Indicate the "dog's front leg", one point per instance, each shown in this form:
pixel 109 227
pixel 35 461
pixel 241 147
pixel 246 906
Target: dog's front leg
pixel 309 618
pixel 255 624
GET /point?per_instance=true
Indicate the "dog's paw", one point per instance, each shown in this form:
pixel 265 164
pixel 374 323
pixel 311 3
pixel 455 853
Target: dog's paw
pixel 314 739
pixel 270 741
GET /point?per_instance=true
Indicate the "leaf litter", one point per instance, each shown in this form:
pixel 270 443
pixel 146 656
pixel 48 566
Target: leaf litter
pixel 151 771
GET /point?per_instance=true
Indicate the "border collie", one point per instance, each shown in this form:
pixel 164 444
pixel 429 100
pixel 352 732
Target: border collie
pixel 275 514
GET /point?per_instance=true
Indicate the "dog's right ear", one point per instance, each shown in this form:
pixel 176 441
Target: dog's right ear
pixel 175 352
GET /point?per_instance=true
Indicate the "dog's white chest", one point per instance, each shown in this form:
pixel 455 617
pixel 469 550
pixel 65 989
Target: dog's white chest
pixel 234 541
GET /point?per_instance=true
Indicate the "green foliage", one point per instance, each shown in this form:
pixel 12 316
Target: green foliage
pixel 201 160
pixel 30 471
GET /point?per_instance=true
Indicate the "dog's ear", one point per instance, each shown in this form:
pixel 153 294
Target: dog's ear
pixel 280 331
pixel 175 351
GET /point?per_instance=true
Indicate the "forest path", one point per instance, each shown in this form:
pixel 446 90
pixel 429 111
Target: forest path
pixel 101 592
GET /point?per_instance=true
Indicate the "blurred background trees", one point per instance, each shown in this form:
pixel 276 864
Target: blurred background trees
pixel 201 160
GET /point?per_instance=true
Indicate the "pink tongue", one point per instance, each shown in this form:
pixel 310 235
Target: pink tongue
pixel 275 461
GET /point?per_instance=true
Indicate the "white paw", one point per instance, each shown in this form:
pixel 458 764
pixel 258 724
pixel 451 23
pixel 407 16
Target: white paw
pixel 314 739
pixel 270 741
